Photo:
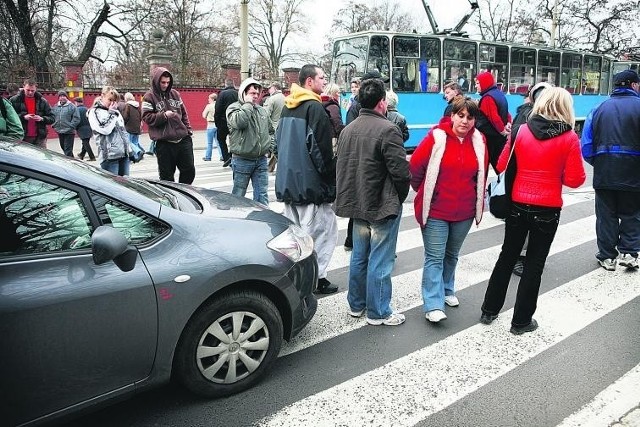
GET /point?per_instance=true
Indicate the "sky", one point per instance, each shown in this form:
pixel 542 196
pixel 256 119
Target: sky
pixel 446 12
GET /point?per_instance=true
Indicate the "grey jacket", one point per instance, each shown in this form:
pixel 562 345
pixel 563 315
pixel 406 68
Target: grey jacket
pixel 250 129
pixel 67 118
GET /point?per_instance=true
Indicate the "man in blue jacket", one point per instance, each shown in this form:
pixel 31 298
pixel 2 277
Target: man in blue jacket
pixel 611 143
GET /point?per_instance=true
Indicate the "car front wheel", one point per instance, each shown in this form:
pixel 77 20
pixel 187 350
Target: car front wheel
pixel 229 344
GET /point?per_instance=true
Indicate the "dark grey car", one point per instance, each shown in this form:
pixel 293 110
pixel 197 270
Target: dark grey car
pixel 111 284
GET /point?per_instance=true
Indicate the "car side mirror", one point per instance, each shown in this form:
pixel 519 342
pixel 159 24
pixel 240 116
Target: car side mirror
pixel 109 244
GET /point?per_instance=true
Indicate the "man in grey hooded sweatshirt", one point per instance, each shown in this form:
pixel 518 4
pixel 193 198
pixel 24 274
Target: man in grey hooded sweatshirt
pixel 250 140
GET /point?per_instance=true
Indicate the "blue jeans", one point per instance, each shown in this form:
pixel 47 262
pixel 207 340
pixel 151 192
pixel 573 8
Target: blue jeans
pixel 135 140
pixel 212 142
pixel 442 242
pixel 372 260
pixel 116 167
pixel 540 224
pixel 254 170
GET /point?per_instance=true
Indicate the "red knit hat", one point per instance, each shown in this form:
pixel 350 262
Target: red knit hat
pixel 485 80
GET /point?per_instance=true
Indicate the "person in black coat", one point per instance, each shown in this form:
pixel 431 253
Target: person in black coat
pixel 226 97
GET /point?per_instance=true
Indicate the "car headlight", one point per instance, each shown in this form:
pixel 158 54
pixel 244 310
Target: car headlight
pixel 293 243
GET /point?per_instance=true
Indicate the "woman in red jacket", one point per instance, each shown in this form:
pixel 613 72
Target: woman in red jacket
pixel 547 156
pixel 448 171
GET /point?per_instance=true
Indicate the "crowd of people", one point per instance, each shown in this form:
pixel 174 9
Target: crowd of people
pixel 358 169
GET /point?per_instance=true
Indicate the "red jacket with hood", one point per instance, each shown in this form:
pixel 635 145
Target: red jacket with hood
pixel 155 105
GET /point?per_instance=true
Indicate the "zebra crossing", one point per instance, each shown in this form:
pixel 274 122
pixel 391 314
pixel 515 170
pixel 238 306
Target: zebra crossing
pixel 580 368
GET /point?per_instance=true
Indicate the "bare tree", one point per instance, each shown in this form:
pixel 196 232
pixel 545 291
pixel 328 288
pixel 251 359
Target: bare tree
pixel 271 23
pixel 383 15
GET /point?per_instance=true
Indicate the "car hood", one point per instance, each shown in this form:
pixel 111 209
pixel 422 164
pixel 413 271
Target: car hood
pixel 219 204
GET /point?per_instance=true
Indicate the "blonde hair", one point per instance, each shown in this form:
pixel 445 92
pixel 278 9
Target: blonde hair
pixel 332 89
pixel 129 97
pixel 108 92
pixel 392 99
pixel 555 103
pixel 213 96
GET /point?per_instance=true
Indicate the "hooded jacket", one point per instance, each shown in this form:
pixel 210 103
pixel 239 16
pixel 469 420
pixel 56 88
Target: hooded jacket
pixel 449 175
pixel 155 104
pixel 132 117
pixel 547 154
pixel 10 122
pixel 250 127
pixel 108 132
pixel 611 142
pixel 493 107
pixel 43 109
pixel 306 172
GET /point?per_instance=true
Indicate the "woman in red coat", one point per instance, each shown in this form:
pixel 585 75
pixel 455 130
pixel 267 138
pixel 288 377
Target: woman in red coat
pixel 448 172
pixel 547 156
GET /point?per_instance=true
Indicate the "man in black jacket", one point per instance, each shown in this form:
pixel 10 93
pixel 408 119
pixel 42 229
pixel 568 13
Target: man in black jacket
pixel 34 112
pixel 306 173
pixel 226 97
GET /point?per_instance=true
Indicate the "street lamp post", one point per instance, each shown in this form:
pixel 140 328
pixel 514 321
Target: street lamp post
pixel 244 39
pixel 554 23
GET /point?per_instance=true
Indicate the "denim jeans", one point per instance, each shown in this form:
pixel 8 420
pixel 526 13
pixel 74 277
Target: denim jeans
pixel 617 223
pixel 212 142
pixel 442 242
pixel 135 140
pixel 540 224
pixel 254 170
pixel 372 260
pixel 117 166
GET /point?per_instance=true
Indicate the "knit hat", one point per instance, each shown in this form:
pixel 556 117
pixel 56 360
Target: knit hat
pixel 485 80
pixel 625 78
pixel 62 93
pixel 374 74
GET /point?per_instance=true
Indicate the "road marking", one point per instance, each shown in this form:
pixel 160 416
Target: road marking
pixel 409 389
pixel 332 319
pixel 606 408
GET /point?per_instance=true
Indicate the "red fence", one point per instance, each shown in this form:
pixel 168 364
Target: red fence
pixel 194 100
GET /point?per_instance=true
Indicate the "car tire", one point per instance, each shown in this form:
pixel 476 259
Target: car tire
pixel 216 357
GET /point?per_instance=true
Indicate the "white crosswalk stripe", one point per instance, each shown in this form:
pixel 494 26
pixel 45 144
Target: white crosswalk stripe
pixel 460 360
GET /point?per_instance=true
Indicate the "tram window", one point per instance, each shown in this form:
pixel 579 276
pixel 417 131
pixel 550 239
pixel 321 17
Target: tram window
pixel 348 61
pixel 379 55
pixel 571 78
pixel 548 67
pixel 413 70
pixel 523 65
pixel 495 59
pixel 460 63
pixel 591 79
pixel 430 56
pixel 605 76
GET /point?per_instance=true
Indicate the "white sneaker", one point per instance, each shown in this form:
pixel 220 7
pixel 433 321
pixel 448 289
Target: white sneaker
pixel 451 300
pixel 356 313
pixel 435 316
pixel 608 264
pixel 394 320
pixel 627 260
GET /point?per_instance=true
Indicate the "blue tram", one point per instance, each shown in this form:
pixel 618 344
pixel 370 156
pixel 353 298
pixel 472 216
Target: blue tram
pixel 418 66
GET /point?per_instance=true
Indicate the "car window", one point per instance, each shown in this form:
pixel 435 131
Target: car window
pixel 39 217
pixel 138 227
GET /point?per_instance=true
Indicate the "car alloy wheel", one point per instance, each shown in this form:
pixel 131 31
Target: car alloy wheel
pixel 229 344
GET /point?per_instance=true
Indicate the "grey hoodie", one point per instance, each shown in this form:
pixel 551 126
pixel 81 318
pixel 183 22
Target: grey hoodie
pixel 250 128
